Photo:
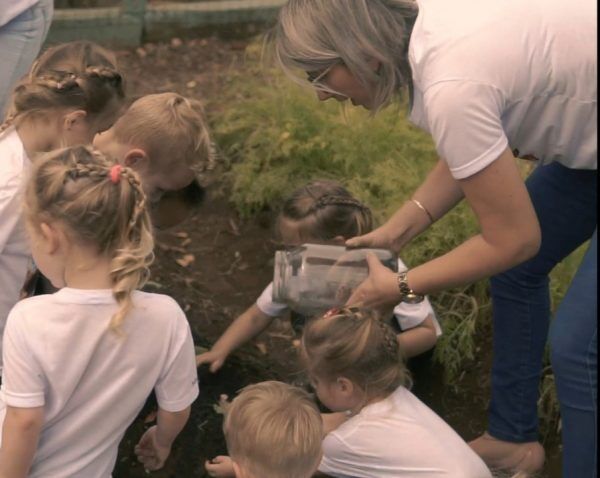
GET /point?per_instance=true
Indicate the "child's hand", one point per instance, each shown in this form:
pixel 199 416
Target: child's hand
pixel 215 359
pixel 220 467
pixel 149 452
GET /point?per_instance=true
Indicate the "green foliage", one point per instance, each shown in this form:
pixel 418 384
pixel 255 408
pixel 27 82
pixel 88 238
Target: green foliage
pixel 278 137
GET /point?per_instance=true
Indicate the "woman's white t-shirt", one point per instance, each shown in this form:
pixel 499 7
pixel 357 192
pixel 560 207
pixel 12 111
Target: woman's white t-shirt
pixel 494 74
pixel 407 315
pixel 60 354
pixel 15 254
pixel 399 437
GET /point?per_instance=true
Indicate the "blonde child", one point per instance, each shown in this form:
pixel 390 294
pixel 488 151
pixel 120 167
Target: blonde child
pixel 80 363
pixel 272 430
pixel 164 137
pixel 323 212
pixel 354 362
pixel 72 92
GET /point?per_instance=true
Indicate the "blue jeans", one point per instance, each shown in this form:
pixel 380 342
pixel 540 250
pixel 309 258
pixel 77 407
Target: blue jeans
pixel 20 42
pixel 565 202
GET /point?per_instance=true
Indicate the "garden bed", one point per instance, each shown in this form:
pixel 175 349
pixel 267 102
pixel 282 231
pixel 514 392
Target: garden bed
pixel 217 263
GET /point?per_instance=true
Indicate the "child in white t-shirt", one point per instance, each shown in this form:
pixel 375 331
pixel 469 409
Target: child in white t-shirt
pixel 80 363
pixel 323 212
pixel 72 92
pixel 355 364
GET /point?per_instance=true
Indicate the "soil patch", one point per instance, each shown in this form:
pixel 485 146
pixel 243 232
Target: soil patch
pixel 216 264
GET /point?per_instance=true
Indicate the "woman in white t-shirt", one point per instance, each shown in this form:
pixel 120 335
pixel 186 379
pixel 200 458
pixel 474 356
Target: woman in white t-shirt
pixel 489 81
pixel 79 364
pixel 381 430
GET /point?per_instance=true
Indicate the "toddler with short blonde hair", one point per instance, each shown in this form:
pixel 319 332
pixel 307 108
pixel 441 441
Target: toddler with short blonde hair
pixel 272 429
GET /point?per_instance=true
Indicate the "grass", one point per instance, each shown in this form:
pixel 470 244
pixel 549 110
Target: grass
pixel 278 137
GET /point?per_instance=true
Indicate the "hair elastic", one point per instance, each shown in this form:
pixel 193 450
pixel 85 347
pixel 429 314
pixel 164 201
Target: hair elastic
pixel 115 173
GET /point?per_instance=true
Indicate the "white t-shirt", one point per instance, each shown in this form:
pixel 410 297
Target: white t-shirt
pixel 494 74
pixel 399 437
pixel 92 383
pixel 15 254
pixel 407 315
pixel 10 9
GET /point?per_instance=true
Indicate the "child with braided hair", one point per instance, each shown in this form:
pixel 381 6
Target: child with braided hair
pixel 356 367
pixel 72 92
pixel 323 212
pixel 80 363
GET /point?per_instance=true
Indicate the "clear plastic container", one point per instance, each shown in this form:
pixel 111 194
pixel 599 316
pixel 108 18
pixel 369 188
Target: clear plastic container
pixel 313 278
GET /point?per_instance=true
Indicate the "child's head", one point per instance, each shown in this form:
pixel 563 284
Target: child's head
pixel 273 429
pixel 322 211
pixel 77 200
pixel 164 137
pixel 352 357
pixel 72 92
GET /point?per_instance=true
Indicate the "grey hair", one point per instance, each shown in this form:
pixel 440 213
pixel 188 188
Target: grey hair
pixel 312 35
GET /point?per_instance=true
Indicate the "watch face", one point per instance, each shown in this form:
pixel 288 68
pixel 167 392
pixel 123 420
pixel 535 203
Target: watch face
pixel 413 298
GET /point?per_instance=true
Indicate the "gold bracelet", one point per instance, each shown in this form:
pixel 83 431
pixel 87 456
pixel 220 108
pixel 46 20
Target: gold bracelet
pixel 420 206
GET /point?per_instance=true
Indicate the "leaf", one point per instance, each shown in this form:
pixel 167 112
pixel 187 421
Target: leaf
pixel 186 260
pixel 262 347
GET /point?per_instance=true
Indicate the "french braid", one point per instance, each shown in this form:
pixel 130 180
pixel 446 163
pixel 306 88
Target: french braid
pixel 74 186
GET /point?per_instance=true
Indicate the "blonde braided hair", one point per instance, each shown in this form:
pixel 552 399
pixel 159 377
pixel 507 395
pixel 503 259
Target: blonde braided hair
pixel 327 210
pixel 355 343
pixel 75 75
pixel 73 186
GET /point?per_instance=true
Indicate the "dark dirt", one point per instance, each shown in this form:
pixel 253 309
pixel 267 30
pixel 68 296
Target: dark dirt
pixel 232 262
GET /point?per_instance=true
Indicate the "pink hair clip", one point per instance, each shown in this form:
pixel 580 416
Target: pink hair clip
pixel 115 173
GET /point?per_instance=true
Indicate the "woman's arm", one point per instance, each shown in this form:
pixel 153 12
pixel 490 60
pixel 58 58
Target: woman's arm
pixel 439 193
pixel 510 234
pixel 20 434
pixel 419 339
pixel 248 325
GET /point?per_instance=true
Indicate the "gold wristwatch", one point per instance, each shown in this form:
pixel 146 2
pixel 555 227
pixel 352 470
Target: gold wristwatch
pixel 406 293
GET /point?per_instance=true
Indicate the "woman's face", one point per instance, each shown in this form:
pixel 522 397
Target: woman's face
pixel 340 79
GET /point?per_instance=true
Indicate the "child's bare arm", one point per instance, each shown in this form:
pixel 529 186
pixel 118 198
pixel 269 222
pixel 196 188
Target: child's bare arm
pixel 20 434
pixel 248 325
pixel 419 339
pixel 154 447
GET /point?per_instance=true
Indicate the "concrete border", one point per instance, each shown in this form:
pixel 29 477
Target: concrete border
pixel 135 21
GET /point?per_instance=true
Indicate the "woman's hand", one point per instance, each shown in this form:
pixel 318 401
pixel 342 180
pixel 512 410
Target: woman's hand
pixel 379 290
pixel 220 467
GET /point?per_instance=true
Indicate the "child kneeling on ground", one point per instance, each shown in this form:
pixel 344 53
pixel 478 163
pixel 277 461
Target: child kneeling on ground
pixel 80 363
pixel 354 363
pixel 164 137
pixel 322 212
pixel 272 430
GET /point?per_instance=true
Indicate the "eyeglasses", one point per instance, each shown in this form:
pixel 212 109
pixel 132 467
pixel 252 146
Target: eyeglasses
pixel 314 77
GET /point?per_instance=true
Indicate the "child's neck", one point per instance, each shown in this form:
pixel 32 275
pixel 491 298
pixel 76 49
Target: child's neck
pixel 33 141
pixel 86 270
pixel 362 402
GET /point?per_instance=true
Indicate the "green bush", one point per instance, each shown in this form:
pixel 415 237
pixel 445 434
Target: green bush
pixel 278 137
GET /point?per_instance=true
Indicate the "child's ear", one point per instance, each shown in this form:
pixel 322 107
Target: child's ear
pixel 51 237
pixel 338 240
pixel 136 158
pixel 345 385
pixel 74 119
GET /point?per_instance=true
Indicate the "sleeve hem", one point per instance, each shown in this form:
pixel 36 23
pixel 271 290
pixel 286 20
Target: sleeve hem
pixel 181 404
pixel 23 400
pixel 481 161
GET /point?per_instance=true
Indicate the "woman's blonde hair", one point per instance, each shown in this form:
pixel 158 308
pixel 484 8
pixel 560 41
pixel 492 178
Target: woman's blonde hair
pixel 313 35
pixel 326 210
pixel 355 344
pixel 170 127
pixel 76 75
pixel 274 430
pixel 73 187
